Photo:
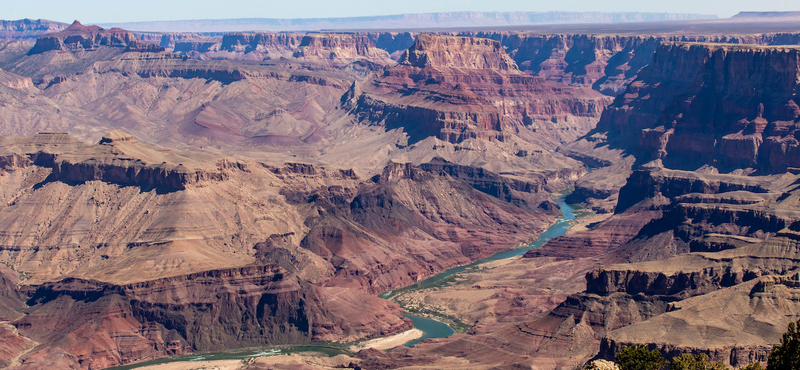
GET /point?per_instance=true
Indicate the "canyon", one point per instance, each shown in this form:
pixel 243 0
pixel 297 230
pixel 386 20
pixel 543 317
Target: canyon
pixel 173 193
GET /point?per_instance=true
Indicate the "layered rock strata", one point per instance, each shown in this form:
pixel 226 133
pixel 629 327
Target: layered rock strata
pixel 734 304
pixel 691 107
pixel 340 50
pixel 475 93
pixel 178 315
pixel 607 63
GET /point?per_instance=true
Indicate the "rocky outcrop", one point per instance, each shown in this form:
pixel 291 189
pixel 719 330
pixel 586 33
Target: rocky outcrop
pixel 457 52
pixel 529 195
pixel 731 304
pixel 690 108
pixel 605 63
pixel 721 324
pixel 340 50
pixel 688 275
pixel 647 183
pixel 78 37
pixel 321 49
pixel 192 47
pixel 260 41
pixel 169 40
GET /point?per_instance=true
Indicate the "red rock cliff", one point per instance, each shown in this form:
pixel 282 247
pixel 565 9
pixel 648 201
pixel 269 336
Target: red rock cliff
pixel 725 105
pixel 606 63
pixel 457 88
pixel 101 324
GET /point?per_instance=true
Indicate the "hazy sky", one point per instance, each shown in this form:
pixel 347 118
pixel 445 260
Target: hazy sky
pixel 99 11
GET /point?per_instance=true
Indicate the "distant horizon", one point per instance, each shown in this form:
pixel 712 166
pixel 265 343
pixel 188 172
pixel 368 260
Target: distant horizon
pixel 392 15
pixel 99 12
pixel 87 23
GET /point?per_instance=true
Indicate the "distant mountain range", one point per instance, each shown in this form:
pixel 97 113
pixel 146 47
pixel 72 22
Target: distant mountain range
pixel 401 21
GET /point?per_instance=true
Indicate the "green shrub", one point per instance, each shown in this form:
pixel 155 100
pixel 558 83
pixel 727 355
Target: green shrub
pixel 753 366
pixel 639 358
pixel 786 356
pixel 701 362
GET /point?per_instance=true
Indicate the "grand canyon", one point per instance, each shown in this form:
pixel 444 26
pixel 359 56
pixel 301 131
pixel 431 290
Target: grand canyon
pixel 178 189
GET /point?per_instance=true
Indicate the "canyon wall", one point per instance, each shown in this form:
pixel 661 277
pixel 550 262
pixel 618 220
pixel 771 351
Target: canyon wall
pixel 341 50
pixel 178 315
pixel 607 63
pixel 479 93
pixel 723 105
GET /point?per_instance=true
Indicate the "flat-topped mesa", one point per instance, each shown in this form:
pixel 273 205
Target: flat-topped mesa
pixel 260 42
pixel 457 52
pixel 762 15
pixel 78 37
pixel 340 49
pixel 117 159
pixel 28 28
pixel 733 106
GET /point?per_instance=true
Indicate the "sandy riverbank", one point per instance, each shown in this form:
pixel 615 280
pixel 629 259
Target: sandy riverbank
pixel 191 365
pixel 390 341
pixel 293 361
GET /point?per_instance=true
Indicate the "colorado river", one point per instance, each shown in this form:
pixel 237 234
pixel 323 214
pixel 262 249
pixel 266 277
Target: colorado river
pixel 436 329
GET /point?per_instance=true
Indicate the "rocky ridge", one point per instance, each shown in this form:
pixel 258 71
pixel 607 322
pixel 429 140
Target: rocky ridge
pixel 704 118
pixel 759 279
pixel 604 62
pixel 78 37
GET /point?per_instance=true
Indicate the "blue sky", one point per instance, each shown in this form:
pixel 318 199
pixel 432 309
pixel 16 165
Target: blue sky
pixel 100 11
